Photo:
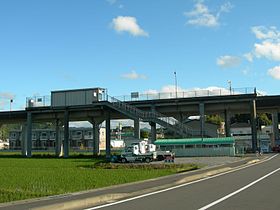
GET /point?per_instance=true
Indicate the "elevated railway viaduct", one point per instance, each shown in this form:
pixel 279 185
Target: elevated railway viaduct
pixel 179 108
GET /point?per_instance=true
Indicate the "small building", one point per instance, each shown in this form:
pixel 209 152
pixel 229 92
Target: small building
pixel 77 97
pixel 44 139
pixel 242 134
pixel 198 146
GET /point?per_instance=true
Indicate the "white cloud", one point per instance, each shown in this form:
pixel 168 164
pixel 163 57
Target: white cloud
pixel 249 57
pixel 274 72
pixel 128 24
pixel 226 7
pixel 269 47
pixel 7 95
pixel 133 76
pixel 201 16
pixel 166 89
pixel 171 88
pixel 228 61
pixel 150 91
pixel 169 91
pixel 262 32
pixel 268 50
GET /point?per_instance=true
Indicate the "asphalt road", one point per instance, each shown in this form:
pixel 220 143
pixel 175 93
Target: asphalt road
pixel 253 187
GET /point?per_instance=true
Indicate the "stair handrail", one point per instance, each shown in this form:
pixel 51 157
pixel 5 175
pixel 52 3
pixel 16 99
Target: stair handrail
pixel 153 115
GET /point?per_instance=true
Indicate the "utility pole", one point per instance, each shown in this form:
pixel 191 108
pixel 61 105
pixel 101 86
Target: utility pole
pixel 11 101
pixel 176 90
pixel 229 83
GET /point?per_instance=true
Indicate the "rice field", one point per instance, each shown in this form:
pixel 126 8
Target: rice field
pixel 23 178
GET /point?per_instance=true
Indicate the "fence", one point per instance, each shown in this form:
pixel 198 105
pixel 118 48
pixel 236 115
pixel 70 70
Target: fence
pixel 39 101
pixel 188 94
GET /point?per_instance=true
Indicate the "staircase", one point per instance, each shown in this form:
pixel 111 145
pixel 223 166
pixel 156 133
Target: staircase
pixel 167 122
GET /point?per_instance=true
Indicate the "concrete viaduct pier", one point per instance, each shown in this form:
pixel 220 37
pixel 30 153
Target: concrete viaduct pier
pixel 94 105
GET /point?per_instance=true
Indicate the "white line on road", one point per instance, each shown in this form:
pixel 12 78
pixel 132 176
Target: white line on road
pixel 175 187
pixel 237 191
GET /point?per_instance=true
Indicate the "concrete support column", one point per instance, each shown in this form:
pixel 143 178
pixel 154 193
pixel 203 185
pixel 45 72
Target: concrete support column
pixel 202 119
pixel 95 137
pixel 1 131
pixel 23 142
pixel 254 124
pixel 58 143
pixel 227 116
pixel 153 132
pixel 275 122
pixel 108 137
pixel 181 117
pixel 137 129
pixel 29 135
pixel 66 134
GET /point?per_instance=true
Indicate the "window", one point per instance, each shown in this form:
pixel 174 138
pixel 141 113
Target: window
pixel 43 136
pixel 13 135
pixel 53 135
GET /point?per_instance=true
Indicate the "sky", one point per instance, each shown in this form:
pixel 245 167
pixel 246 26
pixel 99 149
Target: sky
pixel 136 46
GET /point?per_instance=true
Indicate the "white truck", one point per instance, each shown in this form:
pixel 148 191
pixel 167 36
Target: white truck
pixel 142 152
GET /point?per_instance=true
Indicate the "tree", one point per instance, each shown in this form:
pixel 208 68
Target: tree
pixel 5 130
pixel 215 119
pixel 144 134
pixel 264 119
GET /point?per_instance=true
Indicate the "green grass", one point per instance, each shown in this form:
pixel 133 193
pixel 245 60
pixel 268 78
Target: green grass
pixel 23 178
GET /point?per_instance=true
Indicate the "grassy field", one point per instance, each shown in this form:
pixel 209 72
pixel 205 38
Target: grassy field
pixel 23 178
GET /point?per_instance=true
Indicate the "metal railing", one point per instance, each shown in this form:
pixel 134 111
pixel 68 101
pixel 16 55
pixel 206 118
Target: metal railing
pixel 189 94
pixel 153 116
pixel 41 101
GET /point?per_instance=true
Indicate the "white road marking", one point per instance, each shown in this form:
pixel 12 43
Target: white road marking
pixel 237 191
pixel 175 187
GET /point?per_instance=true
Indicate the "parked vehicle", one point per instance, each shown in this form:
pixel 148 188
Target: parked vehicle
pixel 143 152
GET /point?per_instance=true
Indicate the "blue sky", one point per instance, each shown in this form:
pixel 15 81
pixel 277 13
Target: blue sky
pixel 127 46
